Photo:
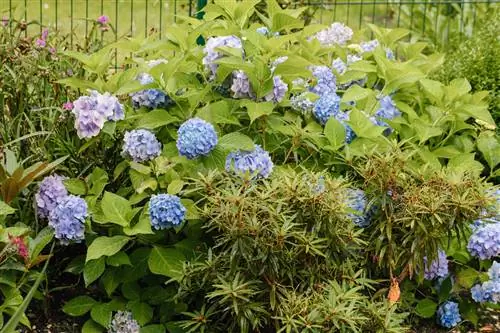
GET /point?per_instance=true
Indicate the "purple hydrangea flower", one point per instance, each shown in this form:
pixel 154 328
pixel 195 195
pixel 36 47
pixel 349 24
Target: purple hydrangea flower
pixel 110 107
pixel 339 65
pixel 369 46
pixel 279 90
pixel 123 322
pixel 196 138
pixel 325 80
pixel 211 54
pixel 50 194
pixel 256 163
pixel 45 34
pixel 103 19
pixel 357 204
pixel 437 268
pixel 484 243
pixel 448 314
pixel 337 33
pixel 302 103
pixel 141 145
pixel 165 211
pixel 68 219
pixel 325 107
pixel 241 86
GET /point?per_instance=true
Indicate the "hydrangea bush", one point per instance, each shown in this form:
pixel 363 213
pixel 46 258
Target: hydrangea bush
pixel 292 174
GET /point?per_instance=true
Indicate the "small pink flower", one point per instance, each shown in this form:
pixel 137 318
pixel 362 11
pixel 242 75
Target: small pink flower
pixel 40 42
pixel 52 50
pixel 18 242
pixel 5 21
pixel 68 106
pixel 45 33
pixel 103 19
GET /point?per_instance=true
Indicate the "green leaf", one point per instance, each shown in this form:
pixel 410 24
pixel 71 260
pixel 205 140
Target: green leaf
pixel 192 209
pixel 121 258
pixel 489 146
pixel 110 280
pixel 467 277
pixel 79 306
pixel 41 240
pixel 93 270
pixel 76 186
pixel 116 209
pixel 433 89
pixel 334 132
pixel 141 312
pixel 101 313
pixel 426 308
pixel 155 119
pixel 166 261
pixel 154 329
pixel 215 160
pixel 105 246
pixel 97 180
pixel 356 93
pixel 445 289
pixel 256 110
pixel 217 113
pixel 131 290
pixel 175 186
pixel 236 141
pixel 469 311
pixel 143 226
pixel 91 326
pixel 5 209
pixel 362 126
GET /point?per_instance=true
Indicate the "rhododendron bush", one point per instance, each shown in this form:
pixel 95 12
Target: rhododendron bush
pixel 277 178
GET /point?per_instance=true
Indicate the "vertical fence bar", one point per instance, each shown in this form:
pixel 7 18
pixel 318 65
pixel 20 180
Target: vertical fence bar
pixel 386 19
pixel 425 18
pixel 57 16
pixel 71 24
pixel 175 11
pixel 131 18
pixel 161 16
pixel 146 20
pixel 348 7
pixel 438 7
pixel 334 12
pixel 116 35
pixel 86 18
pixel 25 16
pixel 461 20
pixel 41 15
pixel 360 16
pixel 399 14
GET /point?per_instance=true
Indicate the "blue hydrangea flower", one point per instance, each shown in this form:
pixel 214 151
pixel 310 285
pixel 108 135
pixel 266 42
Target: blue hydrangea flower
pixel 279 90
pixel 325 107
pixel 437 268
pixel 68 219
pixel 339 65
pixel 149 98
pixel 369 46
pixel 388 111
pixel 489 291
pixel 448 314
pixel 484 243
pixel 196 138
pixel 336 34
pixel 50 193
pixel 325 80
pixel 211 54
pixel 343 117
pixel 357 204
pixel 123 322
pixel 141 145
pixel 166 211
pixel 477 293
pixel 494 271
pixel 241 86
pixel 256 163
pixel 302 103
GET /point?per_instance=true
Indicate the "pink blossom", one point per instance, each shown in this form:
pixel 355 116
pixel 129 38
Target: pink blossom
pixel 103 19
pixel 18 242
pixel 52 50
pixel 40 42
pixel 68 106
pixel 45 33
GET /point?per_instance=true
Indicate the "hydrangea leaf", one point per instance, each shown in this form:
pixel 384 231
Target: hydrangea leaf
pixel 362 126
pixel 6 209
pixel 75 186
pixel 116 209
pixel 236 141
pixel 489 146
pixel 93 270
pixel 105 246
pixel 426 308
pixel 155 119
pixel 142 227
pixel 166 261
pixel 256 110
pixel 356 93
pixel 91 326
pixel 110 280
pixel 141 311
pixel 175 186
pixel 335 132
pixel 467 277
pixel 79 306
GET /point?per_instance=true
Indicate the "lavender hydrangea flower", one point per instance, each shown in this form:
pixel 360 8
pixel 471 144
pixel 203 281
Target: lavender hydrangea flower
pixel 357 204
pixel 241 86
pixel 484 243
pixel 110 106
pixel 123 322
pixel 211 54
pixel 68 219
pixel 141 145
pixel 325 107
pixel 325 80
pixel 369 46
pixel 256 163
pixel 50 194
pixel 196 138
pixel 339 65
pixel 279 90
pixel 337 33
pixel 165 211
pixel 302 103
pixel 448 314
pixel 437 268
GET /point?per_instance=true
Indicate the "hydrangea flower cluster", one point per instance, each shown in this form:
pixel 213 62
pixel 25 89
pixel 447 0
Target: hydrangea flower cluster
pixel 337 33
pixel 196 138
pixel 357 203
pixel 211 55
pixel 241 86
pixel 388 111
pixel 325 107
pixel 256 163
pixel 279 90
pixel 489 291
pixel 302 103
pixel 91 112
pixel 438 268
pixel 448 314
pixel 140 145
pixel 150 98
pixel 68 219
pixel 369 46
pixel 339 65
pixel 165 211
pixel 50 193
pixel 123 322
pixel 484 243
pixel 325 80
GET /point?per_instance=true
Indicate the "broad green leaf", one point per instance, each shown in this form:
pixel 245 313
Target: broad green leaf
pixel 236 141
pixel 155 119
pixel 93 270
pixel 131 290
pixel 362 126
pixel 105 246
pixel 467 277
pixel 426 308
pixel 334 132
pixel 118 259
pixel 356 93
pixel 141 311
pixel 5 209
pixel 76 186
pixel 469 310
pixel 256 110
pixel 489 146
pixel 79 306
pixel 192 209
pixel 175 186
pixel 116 209
pixel 142 227
pixel 40 242
pixel 166 261
pixel 433 89
pixel 445 289
pixel 97 180
pixel 91 326
pixel 101 313
pixel 110 280
pixel 217 113
pixel 156 329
